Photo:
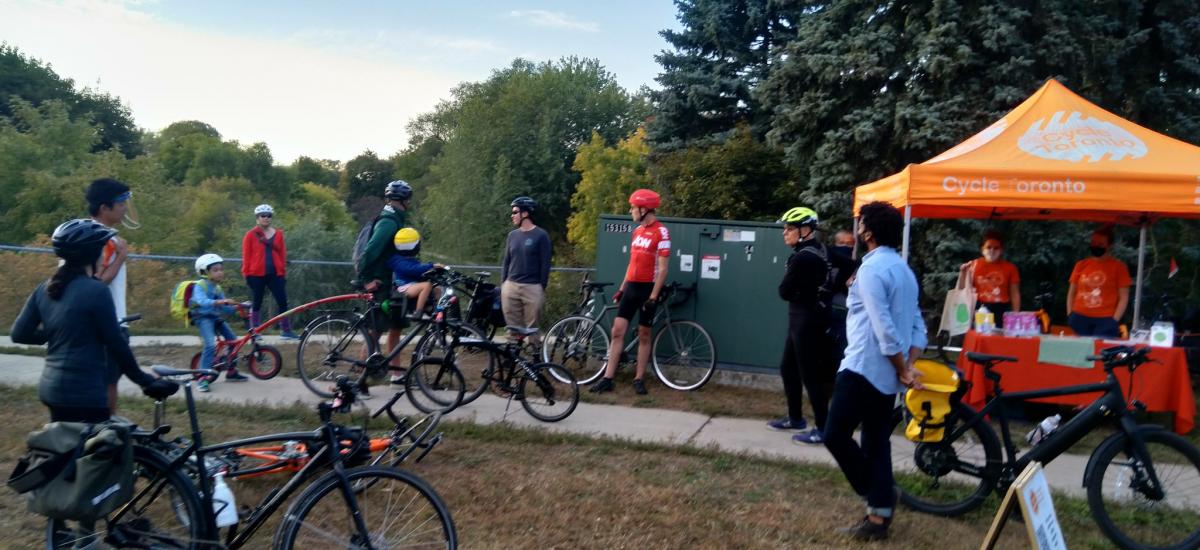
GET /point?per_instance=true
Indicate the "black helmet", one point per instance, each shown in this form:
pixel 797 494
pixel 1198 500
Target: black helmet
pixel 80 240
pixel 398 190
pixel 526 204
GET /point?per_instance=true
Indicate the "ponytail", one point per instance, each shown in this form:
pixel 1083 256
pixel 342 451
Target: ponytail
pixel 63 277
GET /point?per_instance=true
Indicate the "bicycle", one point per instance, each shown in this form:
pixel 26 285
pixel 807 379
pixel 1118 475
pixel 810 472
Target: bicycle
pixel 683 354
pixel 341 344
pixel 173 501
pixel 408 436
pixel 1136 479
pixel 263 362
pixel 547 391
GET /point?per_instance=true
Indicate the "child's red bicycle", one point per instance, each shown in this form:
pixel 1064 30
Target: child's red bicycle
pixel 263 361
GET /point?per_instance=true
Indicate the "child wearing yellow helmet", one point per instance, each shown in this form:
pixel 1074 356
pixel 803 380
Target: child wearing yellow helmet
pixel 408 271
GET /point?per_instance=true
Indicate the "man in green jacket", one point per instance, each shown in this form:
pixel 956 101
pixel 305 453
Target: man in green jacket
pixel 373 265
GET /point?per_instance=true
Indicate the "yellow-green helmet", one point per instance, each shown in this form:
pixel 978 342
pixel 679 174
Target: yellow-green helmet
pixel 800 216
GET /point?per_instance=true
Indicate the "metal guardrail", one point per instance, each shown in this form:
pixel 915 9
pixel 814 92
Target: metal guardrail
pixel 238 259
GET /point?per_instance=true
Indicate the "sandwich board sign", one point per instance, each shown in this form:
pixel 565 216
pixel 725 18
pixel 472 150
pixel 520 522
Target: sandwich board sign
pixel 1032 494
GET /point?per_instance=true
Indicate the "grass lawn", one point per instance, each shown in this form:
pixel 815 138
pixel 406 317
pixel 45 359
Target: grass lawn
pixel 510 487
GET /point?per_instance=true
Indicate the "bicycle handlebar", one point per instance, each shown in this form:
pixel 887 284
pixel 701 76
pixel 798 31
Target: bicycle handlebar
pixel 1122 356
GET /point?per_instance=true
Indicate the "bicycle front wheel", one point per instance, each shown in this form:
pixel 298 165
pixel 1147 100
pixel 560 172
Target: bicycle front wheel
pixel 332 346
pixel 434 385
pixel 579 345
pixel 1124 505
pixel 950 477
pixel 472 360
pixel 264 362
pixel 685 356
pixel 549 393
pixel 165 512
pixel 397 509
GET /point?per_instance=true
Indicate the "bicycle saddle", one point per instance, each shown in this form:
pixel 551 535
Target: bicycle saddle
pixel 983 358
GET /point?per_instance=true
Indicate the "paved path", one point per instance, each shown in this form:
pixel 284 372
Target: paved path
pixel 735 435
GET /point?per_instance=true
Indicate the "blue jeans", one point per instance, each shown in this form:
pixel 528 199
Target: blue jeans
pixel 1083 325
pixel 868 467
pixel 209 327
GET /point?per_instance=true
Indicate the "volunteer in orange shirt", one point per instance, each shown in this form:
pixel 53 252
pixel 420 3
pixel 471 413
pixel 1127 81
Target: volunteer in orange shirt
pixel 1099 291
pixel 996 281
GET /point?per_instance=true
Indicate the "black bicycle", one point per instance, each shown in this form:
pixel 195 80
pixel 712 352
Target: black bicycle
pixel 363 507
pixel 1143 482
pixel 547 391
pixel 341 344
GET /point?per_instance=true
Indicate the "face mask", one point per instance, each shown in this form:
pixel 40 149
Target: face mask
pixel 389 208
pixel 991 255
pixel 1098 251
pixel 843 250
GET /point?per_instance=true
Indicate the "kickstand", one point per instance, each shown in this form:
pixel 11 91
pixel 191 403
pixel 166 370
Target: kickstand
pixel 508 405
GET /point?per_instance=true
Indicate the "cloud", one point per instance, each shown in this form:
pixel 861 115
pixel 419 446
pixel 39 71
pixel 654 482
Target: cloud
pixel 554 20
pixel 299 99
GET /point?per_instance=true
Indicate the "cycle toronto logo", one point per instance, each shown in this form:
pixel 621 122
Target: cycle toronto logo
pixel 1075 137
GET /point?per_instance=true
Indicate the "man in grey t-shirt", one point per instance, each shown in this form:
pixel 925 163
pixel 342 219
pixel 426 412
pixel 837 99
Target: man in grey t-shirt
pixel 525 270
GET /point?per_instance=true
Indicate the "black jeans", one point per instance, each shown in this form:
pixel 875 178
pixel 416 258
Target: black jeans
pixel 805 365
pixel 868 467
pixel 258 287
pixel 1104 327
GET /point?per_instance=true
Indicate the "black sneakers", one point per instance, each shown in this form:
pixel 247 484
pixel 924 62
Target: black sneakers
pixel 867 531
pixel 639 388
pixel 604 385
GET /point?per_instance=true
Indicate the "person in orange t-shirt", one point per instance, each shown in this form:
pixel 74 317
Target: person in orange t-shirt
pixel 1099 291
pixel 996 281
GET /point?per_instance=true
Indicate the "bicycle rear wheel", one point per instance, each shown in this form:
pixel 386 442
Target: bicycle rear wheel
pixel 166 510
pixel 264 362
pixel 950 477
pixel 1120 499
pixel 332 346
pixel 434 385
pixel 685 356
pixel 551 394
pixel 578 344
pixel 398 509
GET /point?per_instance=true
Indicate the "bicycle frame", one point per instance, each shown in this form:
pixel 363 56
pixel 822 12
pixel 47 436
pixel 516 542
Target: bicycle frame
pixel 662 317
pixel 1112 403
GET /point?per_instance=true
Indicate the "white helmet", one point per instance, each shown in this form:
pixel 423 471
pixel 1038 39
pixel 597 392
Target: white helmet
pixel 263 209
pixel 206 261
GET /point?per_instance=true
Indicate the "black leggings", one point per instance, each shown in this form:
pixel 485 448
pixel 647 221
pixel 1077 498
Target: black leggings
pixel 91 415
pixel 805 366
pixel 258 287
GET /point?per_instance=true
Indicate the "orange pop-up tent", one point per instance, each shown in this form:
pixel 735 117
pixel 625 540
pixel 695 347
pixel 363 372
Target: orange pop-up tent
pixel 1056 156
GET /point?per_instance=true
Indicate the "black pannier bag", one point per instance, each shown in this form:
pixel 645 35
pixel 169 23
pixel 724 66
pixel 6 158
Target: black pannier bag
pixel 76 471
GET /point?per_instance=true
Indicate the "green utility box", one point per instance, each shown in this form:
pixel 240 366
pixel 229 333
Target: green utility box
pixel 736 267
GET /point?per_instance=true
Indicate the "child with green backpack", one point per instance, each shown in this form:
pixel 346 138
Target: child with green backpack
pixel 206 305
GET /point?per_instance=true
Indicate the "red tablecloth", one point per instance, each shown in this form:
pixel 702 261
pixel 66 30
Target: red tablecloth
pixel 1163 387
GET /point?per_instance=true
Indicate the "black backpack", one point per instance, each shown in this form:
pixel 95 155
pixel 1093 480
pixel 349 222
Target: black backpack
pixel 828 289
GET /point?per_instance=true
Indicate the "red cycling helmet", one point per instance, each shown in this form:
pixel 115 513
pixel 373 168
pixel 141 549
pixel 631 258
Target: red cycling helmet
pixel 645 198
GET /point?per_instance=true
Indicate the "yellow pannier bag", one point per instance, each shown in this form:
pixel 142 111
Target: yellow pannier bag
pixel 928 407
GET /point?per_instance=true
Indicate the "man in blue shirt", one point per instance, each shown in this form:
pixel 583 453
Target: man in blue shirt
pixel 885 335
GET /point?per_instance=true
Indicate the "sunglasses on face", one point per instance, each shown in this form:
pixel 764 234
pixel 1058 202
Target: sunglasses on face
pixel 265 215
pixel 516 212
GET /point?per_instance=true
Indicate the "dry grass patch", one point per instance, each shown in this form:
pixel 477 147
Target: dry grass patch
pixel 508 487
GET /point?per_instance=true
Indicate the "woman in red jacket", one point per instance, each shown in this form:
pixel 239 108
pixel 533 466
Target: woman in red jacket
pixel 264 264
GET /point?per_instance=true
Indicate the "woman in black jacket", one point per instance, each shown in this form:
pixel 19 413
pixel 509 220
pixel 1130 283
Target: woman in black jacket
pixel 74 314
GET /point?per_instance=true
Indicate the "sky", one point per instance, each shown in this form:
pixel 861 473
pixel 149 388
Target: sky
pixel 320 78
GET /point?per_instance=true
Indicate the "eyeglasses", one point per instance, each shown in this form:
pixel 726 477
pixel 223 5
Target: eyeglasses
pixel 516 212
pixel 265 215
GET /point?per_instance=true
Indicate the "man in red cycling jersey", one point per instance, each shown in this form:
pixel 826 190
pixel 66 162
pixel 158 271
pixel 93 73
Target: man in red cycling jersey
pixel 649 257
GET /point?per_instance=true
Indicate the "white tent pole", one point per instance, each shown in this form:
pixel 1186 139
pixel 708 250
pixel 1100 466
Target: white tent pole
pixel 907 223
pixel 854 251
pixel 1141 275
